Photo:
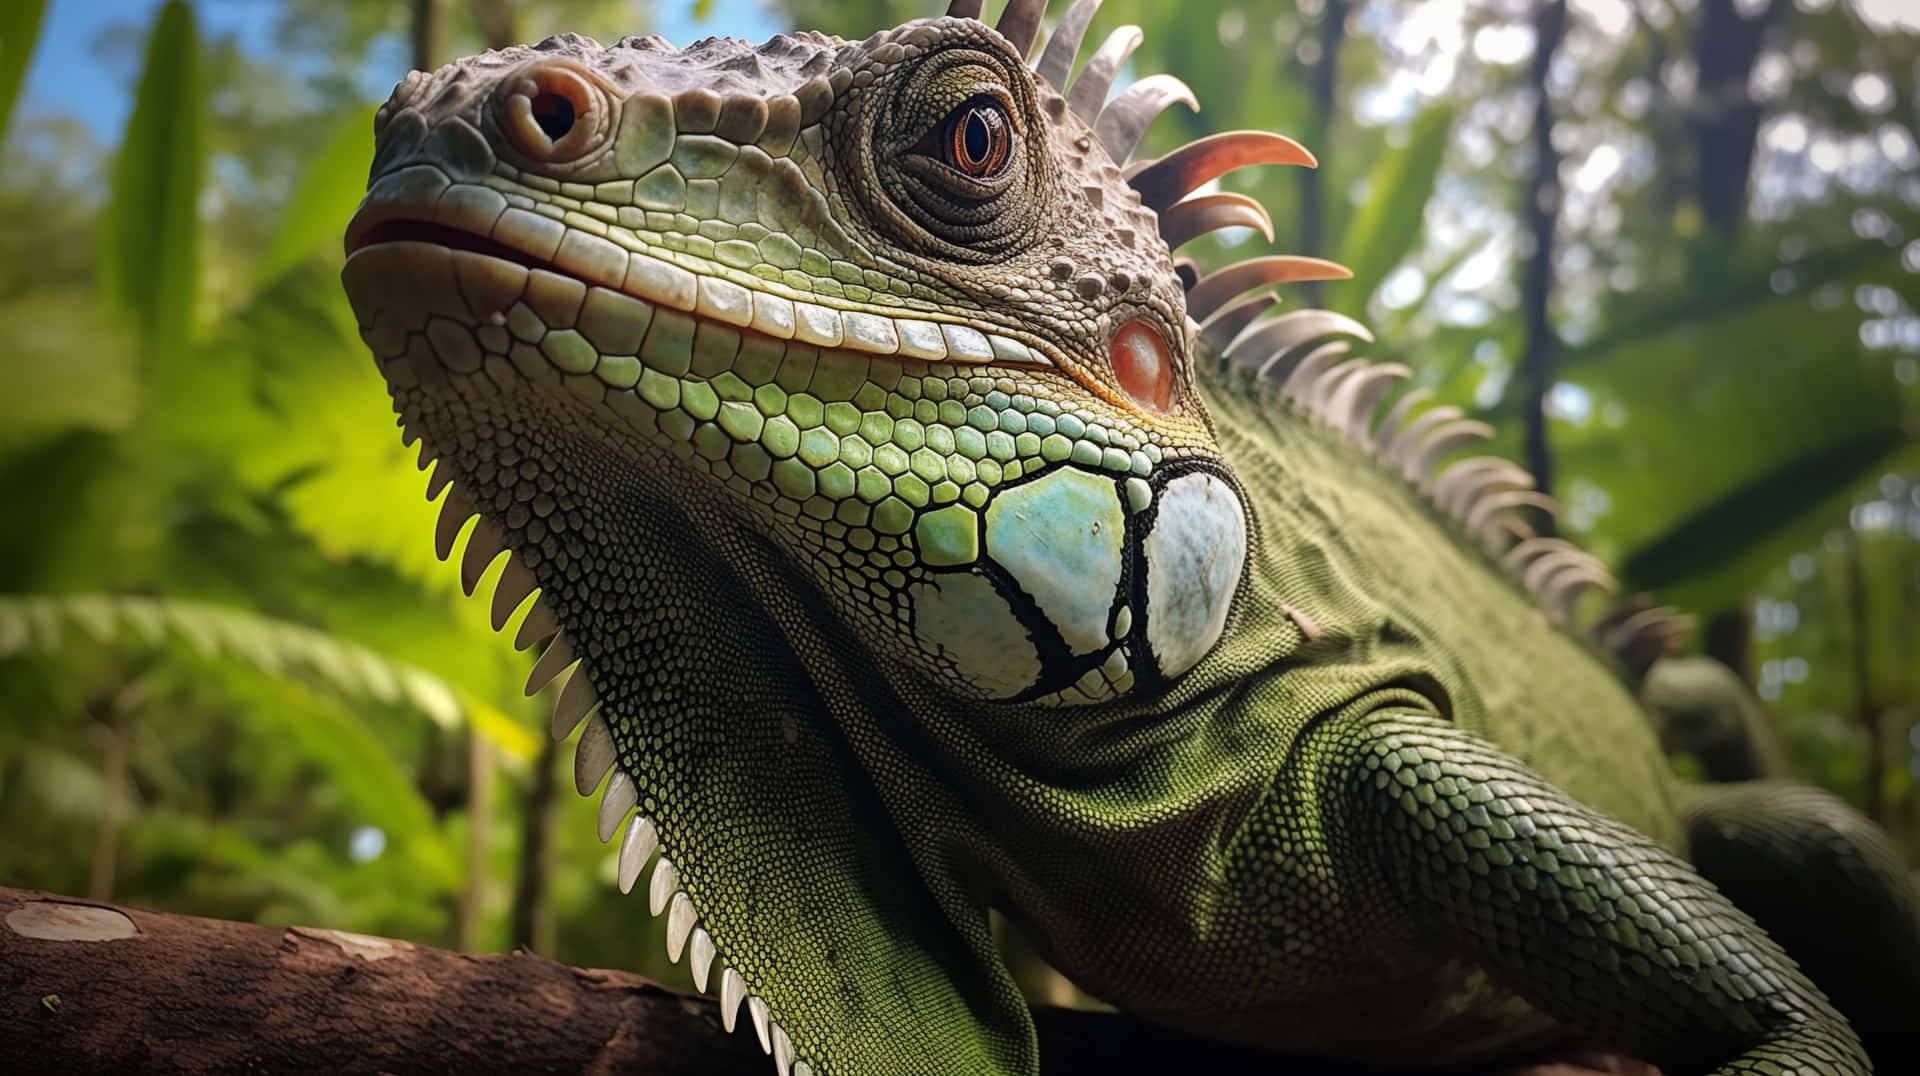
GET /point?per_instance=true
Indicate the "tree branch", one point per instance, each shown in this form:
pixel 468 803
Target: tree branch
pixel 88 987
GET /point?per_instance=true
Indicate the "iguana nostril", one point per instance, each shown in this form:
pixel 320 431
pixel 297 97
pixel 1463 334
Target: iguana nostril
pixel 554 114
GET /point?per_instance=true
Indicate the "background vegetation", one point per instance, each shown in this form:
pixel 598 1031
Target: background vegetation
pixel 1667 247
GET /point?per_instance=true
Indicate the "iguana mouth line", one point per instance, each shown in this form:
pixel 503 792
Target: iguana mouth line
pixel 421 231
pixel 665 279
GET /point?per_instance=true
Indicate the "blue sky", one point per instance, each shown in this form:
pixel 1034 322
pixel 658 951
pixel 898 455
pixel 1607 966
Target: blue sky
pixel 68 76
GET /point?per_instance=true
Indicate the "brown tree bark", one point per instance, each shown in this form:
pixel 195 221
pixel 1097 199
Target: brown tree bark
pixel 88 987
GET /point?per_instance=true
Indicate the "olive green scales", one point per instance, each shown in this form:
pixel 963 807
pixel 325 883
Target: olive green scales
pixel 922 540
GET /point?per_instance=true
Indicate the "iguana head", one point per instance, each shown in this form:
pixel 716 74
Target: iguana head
pixel 891 304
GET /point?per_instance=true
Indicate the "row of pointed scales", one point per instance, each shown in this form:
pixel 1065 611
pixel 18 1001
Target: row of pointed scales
pixel 1293 351
pixel 593 758
pixel 1639 633
pixel 1303 356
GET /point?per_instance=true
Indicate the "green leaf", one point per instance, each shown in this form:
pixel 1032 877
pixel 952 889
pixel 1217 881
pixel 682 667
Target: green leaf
pixel 1752 513
pixel 514 739
pixel 1748 430
pixel 1730 294
pixel 1386 228
pixel 284 391
pixel 359 763
pixel 323 199
pixel 279 648
pixel 19 27
pixel 149 258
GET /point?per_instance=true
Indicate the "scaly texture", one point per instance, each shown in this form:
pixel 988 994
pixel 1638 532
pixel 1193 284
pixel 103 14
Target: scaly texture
pixel 918 539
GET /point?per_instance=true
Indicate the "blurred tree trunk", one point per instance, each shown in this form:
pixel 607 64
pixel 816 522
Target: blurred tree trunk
pixel 1866 709
pixel 1907 710
pixel 499 22
pixel 473 896
pixel 1729 639
pixel 1726 122
pixel 1724 125
pixel 1664 125
pixel 532 924
pixel 1324 82
pixel 116 734
pixel 1541 216
pixel 427 35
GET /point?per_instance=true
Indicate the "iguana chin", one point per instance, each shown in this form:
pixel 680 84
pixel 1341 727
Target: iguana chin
pixel 924 540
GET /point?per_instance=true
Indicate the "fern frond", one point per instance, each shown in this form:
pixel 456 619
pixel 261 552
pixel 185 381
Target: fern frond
pixel 33 624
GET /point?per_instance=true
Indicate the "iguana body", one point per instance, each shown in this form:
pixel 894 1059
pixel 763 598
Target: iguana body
pixel 921 557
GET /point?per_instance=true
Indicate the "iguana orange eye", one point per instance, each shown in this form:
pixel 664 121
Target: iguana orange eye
pixel 1143 366
pixel 978 139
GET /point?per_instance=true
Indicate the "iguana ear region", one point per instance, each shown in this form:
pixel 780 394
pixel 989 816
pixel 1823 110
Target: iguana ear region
pixel 1077 587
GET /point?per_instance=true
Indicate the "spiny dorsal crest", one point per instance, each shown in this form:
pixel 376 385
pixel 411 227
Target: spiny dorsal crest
pixel 1296 353
pixel 1639 633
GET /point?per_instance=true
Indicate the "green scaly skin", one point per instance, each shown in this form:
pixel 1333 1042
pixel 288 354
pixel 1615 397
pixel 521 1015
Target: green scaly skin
pixel 1703 709
pixel 817 453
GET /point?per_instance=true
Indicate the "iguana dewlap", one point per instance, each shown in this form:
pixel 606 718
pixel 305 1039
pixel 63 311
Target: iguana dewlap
pixel 924 542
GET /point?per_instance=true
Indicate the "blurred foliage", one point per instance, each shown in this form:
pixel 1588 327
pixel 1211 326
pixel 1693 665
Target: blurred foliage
pixel 231 666
pixel 19 26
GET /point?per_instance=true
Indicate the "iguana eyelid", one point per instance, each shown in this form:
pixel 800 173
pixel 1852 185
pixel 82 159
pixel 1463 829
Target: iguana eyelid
pixel 933 166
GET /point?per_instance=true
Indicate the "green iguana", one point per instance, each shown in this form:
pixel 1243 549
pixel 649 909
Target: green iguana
pixel 925 540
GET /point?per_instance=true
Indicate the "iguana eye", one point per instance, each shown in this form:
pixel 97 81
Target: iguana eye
pixel 978 141
pixel 975 140
pixel 948 160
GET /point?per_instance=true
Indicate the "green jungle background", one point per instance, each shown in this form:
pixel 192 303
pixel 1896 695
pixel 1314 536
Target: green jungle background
pixel 1676 239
